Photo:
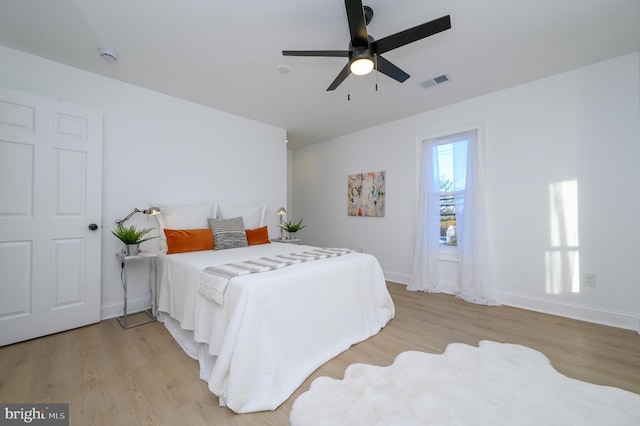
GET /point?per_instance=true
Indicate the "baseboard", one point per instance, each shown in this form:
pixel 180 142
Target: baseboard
pixel 592 314
pixel 625 320
pixel 396 277
pixel 133 305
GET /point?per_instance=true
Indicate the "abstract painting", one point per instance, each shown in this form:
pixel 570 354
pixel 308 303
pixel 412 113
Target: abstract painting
pixel 366 194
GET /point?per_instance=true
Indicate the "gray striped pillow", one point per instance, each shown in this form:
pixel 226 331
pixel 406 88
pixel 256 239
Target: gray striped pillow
pixel 228 233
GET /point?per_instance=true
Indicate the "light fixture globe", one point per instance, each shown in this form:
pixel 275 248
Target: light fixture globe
pixel 362 66
pixel 361 62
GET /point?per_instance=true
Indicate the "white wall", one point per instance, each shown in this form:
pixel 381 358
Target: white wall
pixel 157 147
pixel 573 134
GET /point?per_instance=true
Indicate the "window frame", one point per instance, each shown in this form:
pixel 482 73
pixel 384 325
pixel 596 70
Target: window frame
pixel 447 253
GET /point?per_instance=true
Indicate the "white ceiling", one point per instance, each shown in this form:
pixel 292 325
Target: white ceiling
pixel 225 54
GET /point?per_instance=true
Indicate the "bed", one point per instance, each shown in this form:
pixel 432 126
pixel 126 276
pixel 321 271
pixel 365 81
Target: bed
pixel 272 329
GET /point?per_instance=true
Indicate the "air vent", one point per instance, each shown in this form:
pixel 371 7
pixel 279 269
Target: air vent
pixel 435 81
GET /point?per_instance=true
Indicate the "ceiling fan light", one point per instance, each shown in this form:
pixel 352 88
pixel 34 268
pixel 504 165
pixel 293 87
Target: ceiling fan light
pixel 361 66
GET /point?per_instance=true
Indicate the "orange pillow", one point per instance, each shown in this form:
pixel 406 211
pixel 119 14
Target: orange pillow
pixel 257 236
pixel 181 241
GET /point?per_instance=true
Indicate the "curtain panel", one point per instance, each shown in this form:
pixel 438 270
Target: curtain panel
pixel 471 224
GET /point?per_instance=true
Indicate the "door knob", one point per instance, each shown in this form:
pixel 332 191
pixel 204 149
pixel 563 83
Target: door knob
pixel 93 226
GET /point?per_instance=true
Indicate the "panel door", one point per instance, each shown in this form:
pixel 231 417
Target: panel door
pixel 50 194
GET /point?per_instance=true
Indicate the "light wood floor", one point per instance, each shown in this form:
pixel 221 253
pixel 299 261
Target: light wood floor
pixel 141 376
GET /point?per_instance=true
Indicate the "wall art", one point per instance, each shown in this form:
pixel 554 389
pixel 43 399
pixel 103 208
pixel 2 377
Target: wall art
pixel 366 192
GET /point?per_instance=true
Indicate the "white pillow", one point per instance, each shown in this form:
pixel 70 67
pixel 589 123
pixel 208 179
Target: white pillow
pixel 252 214
pixel 183 216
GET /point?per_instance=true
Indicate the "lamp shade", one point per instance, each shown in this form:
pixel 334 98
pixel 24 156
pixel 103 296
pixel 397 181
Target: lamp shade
pixel 281 212
pixel 152 211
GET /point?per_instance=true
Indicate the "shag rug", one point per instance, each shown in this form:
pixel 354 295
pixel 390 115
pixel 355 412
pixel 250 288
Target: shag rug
pixel 493 384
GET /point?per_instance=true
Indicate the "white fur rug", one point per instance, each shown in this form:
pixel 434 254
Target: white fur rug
pixel 493 384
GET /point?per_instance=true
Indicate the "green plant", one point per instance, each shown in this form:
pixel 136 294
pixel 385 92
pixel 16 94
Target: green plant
pixel 132 235
pixel 292 226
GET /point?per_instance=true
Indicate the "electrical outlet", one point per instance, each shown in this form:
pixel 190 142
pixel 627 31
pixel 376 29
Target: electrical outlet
pixel 589 279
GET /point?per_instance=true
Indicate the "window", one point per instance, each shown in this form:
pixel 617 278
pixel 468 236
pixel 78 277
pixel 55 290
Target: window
pixel 451 166
pixel 451 225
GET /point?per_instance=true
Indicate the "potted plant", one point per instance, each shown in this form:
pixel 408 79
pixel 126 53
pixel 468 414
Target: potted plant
pixel 292 227
pixel 132 237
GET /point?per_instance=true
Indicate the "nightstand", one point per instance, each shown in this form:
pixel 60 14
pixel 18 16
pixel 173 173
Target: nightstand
pixel 286 240
pixel 124 260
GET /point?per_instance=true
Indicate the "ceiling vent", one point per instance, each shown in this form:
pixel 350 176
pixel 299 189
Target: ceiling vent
pixel 435 81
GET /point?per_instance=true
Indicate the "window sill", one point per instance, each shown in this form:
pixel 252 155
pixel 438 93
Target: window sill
pixel 448 254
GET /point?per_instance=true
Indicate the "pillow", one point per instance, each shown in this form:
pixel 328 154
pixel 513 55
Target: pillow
pixel 252 214
pixel 228 233
pixel 184 240
pixel 183 216
pixel 258 236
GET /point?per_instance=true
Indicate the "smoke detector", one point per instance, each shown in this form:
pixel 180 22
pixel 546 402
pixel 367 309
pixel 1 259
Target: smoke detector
pixel 283 69
pixel 108 54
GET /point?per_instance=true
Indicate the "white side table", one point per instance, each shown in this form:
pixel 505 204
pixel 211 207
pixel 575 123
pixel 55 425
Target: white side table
pixel 152 313
pixel 287 240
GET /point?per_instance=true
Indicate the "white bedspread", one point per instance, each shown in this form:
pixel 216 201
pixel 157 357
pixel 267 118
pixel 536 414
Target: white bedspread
pixel 214 279
pixel 275 328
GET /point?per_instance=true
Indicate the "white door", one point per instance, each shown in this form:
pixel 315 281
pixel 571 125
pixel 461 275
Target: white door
pixel 50 200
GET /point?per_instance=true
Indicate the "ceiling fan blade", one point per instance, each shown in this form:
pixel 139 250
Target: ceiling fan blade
pixel 357 24
pixel 412 34
pixel 387 68
pixel 331 53
pixel 340 78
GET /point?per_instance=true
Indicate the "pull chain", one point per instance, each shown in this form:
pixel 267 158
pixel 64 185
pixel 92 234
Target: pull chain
pixel 376 64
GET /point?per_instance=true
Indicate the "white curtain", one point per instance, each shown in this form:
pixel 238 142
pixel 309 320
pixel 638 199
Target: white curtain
pixel 425 276
pixel 471 231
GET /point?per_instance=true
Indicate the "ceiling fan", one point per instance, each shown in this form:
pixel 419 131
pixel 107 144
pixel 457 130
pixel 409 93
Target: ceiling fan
pixel 364 52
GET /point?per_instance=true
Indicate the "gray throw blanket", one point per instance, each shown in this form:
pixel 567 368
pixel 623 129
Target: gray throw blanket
pixel 214 279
